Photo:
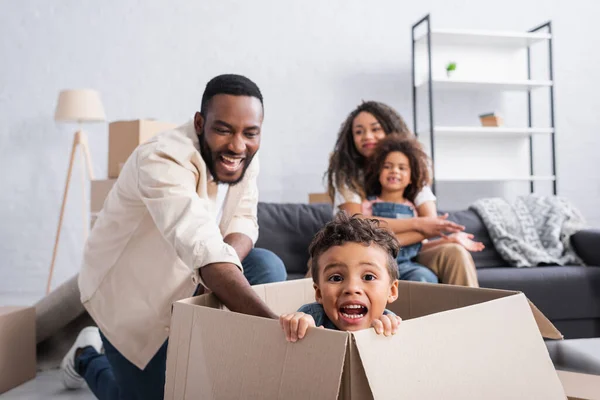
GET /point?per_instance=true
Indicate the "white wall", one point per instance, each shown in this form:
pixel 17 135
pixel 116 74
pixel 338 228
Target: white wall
pixel 314 61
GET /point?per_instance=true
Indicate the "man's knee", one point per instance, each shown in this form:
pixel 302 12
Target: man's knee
pixel 270 263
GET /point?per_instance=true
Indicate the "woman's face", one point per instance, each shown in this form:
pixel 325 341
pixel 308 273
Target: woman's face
pixel 366 132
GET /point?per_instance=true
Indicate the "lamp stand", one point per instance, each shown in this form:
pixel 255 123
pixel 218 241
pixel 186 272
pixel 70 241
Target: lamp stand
pixel 80 139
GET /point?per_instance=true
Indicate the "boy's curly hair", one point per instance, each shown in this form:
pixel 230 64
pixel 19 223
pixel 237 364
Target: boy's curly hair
pixel 346 162
pixel 344 229
pixel 419 165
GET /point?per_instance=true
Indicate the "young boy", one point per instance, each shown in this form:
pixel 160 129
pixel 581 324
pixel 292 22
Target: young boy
pixel 354 270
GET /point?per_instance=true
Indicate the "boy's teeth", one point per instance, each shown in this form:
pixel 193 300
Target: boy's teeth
pixel 352 316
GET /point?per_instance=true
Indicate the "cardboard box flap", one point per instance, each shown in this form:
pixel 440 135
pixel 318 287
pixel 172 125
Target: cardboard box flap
pixel 355 384
pixel 580 386
pixel 293 370
pixel 416 299
pixel 485 351
pixel 286 297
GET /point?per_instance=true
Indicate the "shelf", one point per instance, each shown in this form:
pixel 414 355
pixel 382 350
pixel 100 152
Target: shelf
pixel 463 84
pixel 495 179
pixel 459 37
pixel 482 131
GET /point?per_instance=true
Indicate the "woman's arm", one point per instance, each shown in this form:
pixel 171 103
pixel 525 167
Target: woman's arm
pixel 426 225
pixel 395 225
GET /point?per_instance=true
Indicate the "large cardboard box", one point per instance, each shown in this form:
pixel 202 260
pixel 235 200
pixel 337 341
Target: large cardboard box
pixel 455 342
pixel 17 346
pixel 580 386
pixel 99 190
pixel 125 136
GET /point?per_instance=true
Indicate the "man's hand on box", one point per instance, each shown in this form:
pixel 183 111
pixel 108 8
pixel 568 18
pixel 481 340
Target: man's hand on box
pixel 295 325
pixel 387 324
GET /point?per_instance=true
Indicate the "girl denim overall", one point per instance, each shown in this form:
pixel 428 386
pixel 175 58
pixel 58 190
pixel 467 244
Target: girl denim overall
pixel 408 270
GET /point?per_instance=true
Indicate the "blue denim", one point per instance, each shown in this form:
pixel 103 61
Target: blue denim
pixel 111 376
pixel 408 270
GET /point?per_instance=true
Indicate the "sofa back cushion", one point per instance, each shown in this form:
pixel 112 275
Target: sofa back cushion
pixel 287 230
pixel 489 257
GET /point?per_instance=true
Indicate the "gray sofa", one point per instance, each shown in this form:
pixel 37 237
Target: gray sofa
pixel 569 296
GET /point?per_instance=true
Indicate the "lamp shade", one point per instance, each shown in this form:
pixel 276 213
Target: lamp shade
pixel 79 105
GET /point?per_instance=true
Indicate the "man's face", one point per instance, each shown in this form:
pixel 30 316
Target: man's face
pixel 229 135
pixel 354 285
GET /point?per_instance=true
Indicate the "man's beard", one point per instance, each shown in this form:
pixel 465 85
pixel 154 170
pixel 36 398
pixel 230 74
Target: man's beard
pixel 209 160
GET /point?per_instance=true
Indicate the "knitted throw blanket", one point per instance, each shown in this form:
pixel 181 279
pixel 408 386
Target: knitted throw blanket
pixel 533 230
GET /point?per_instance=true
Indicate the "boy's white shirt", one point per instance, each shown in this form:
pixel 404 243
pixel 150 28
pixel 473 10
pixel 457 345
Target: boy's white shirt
pixel 158 226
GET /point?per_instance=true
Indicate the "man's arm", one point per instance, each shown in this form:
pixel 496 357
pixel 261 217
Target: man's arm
pixel 232 288
pixel 168 190
pixel 241 243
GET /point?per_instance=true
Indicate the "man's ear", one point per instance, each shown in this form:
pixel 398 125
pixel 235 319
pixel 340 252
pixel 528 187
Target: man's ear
pixel 393 292
pixel 198 123
pixel 318 295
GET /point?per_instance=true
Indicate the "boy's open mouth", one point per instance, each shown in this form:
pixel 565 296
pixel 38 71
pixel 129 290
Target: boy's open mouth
pixel 353 312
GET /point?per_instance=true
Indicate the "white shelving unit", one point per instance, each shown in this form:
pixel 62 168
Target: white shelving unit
pixel 487 61
pixel 482 85
pixel 483 131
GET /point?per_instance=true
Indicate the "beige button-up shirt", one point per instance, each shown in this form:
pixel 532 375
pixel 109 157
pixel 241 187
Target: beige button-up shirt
pixel 156 229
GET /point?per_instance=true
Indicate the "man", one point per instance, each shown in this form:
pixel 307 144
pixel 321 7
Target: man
pixel 182 214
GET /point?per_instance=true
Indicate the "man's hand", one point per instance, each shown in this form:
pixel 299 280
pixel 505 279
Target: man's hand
pixel 387 324
pixel 228 283
pixel 465 240
pixel 295 325
pixel 436 226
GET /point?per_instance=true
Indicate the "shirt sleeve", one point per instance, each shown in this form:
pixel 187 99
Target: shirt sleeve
pixel 168 190
pixel 245 219
pixel 424 196
pixel 344 195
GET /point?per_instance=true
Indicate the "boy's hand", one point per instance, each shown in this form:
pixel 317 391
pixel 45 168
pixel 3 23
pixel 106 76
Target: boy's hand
pixel 387 324
pixel 465 240
pixel 295 325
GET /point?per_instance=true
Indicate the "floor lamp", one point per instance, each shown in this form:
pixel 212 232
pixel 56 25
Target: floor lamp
pixel 81 105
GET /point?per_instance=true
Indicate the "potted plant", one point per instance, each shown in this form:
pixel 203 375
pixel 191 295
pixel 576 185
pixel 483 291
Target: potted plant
pixel 450 68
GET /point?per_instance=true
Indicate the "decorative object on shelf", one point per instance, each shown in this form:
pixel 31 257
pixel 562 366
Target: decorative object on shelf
pixel 490 119
pixel 79 105
pixel 450 68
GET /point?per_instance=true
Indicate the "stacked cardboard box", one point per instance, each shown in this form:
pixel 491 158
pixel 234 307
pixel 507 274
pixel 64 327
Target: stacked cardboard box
pixel 17 346
pixel 455 342
pixel 123 138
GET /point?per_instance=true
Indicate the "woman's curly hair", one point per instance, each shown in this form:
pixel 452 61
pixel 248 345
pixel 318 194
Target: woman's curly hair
pixel 419 165
pixel 346 163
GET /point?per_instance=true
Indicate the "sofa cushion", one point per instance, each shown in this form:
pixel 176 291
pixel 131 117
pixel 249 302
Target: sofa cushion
pixel 287 230
pixel 559 292
pixel 489 257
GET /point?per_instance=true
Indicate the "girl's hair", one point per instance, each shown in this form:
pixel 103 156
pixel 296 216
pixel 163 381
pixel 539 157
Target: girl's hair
pixel 418 159
pixel 346 162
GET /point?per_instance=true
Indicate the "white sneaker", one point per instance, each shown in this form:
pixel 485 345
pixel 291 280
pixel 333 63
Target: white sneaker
pixel 89 336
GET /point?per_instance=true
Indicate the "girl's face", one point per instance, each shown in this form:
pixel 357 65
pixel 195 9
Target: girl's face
pixel 395 172
pixel 366 132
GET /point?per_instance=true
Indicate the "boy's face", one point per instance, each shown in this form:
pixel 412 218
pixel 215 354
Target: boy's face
pixel 354 285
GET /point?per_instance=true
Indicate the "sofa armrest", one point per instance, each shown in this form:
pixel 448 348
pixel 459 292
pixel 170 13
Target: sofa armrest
pixel 587 246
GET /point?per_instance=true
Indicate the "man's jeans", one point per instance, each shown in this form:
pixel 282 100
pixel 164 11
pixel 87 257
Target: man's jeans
pixel 112 377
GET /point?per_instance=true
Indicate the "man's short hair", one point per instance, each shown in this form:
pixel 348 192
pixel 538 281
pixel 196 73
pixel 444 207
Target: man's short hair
pixel 236 85
pixel 344 229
